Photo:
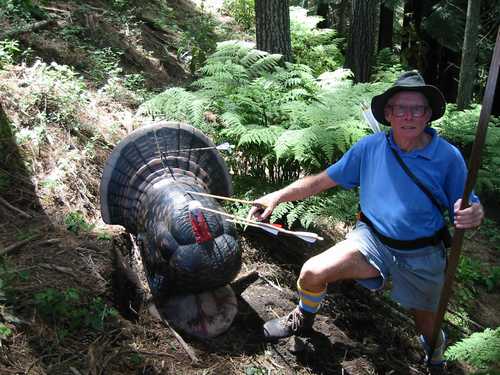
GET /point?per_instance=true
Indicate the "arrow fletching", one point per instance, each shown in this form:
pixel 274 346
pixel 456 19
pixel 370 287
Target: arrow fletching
pixel 369 118
pixel 225 147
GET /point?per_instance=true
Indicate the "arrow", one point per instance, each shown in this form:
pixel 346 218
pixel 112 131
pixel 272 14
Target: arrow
pixel 305 236
pixel 227 198
pixel 222 147
pixel 369 118
pixel 241 222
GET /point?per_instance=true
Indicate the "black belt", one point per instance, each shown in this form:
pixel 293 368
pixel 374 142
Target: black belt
pixel 433 240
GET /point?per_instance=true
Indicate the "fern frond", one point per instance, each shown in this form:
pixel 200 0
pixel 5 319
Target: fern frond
pixel 264 65
pixel 260 136
pixel 280 211
pixel 481 349
pixel 176 104
pixel 295 213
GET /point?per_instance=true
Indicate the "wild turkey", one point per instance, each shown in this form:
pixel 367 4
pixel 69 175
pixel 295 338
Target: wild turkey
pixel 145 188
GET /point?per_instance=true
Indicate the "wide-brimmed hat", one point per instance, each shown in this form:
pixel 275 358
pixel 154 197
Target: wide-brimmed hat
pixel 409 81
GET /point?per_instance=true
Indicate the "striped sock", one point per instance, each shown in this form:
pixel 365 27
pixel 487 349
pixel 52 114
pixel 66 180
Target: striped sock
pixel 310 301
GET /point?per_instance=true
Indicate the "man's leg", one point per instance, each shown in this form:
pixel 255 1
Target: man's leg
pixel 424 323
pixel 341 262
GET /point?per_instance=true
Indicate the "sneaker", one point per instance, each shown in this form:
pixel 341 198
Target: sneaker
pixel 436 361
pixel 297 322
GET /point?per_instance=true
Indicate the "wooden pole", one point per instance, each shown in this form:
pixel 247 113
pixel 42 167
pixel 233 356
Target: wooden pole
pixel 474 162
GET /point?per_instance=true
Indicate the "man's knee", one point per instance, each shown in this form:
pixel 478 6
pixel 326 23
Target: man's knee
pixel 311 276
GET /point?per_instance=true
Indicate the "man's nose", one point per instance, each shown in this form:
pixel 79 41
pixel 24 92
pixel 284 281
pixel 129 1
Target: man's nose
pixel 408 114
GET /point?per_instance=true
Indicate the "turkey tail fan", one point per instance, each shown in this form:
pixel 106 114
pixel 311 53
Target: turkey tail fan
pixel 151 154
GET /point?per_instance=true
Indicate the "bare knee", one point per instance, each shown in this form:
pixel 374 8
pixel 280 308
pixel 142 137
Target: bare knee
pixel 311 277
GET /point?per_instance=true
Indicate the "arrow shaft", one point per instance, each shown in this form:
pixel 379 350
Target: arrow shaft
pixel 226 198
pixel 264 225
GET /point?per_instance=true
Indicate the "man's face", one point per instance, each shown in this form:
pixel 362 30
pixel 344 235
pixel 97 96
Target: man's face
pixel 408 112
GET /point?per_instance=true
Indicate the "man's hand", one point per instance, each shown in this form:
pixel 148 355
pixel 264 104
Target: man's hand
pixel 300 189
pixel 264 206
pixel 470 217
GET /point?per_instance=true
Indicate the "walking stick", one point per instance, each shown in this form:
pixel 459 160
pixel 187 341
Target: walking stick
pixel 474 162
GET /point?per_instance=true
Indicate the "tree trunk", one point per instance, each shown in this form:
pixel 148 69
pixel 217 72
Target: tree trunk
pixel 341 17
pixel 322 10
pixel 362 40
pixel 410 54
pixel 386 27
pixel 272 27
pixel 469 55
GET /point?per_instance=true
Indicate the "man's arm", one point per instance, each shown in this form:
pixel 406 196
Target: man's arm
pixel 300 189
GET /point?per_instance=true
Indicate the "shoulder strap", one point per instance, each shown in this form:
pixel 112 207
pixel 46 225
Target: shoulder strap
pixel 414 178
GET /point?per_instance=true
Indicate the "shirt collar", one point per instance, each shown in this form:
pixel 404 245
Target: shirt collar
pixel 427 152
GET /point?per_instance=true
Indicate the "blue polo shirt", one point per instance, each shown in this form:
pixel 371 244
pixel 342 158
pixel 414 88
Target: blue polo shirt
pixel 388 197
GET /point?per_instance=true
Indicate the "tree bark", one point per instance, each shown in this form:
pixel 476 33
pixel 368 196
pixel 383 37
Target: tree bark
pixel 469 55
pixel 322 10
pixel 341 16
pixel 386 27
pixel 272 27
pixel 410 53
pixel 362 40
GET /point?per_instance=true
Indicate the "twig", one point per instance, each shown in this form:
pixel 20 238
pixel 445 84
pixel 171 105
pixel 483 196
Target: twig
pixel 48 242
pixel 152 353
pixel 65 270
pixel 56 10
pixel 74 370
pixel 184 344
pixel 4 370
pixel 9 249
pixel 29 28
pixel 20 212
pixel 271 283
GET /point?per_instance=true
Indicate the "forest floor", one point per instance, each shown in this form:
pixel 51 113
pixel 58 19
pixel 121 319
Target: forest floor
pixel 356 332
pixel 58 287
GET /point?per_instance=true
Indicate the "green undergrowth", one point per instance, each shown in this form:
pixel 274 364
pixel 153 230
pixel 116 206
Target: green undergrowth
pixel 69 311
pixel 481 350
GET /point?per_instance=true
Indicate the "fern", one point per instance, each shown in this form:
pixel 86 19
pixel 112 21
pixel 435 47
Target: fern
pixel 259 136
pixel 319 49
pixel 481 349
pixel 283 123
pixel 280 211
pixel 459 127
pixel 334 206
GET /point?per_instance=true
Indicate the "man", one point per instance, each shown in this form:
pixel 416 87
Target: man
pixel 400 231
